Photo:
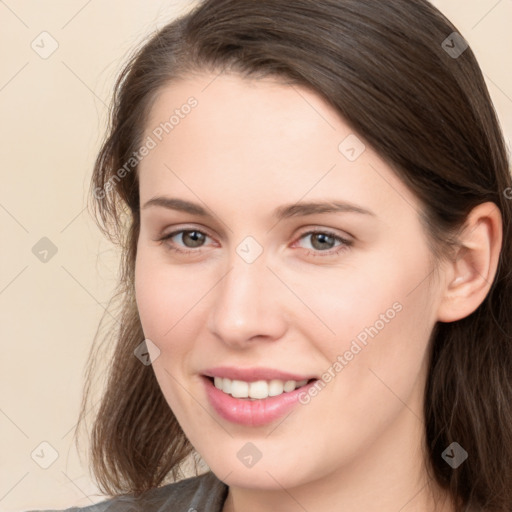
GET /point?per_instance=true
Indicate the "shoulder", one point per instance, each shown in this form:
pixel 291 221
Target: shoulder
pixel 205 493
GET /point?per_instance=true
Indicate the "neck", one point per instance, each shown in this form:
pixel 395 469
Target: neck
pixel 389 475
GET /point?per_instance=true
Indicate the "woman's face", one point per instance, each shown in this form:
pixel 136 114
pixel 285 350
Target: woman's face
pixel 244 284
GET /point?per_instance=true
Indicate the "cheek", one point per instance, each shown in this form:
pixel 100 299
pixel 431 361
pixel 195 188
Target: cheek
pixel 149 295
pixel 164 301
pixel 367 291
pixel 171 301
pixel 163 293
pixel 379 316
pixel 391 323
pixel 161 300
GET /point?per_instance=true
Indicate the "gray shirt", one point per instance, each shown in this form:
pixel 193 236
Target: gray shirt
pixel 204 493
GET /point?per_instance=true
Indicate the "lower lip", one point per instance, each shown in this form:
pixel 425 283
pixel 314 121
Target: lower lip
pixel 252 413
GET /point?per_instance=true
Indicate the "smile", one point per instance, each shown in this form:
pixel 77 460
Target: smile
pixel 257 390
pixel 259 409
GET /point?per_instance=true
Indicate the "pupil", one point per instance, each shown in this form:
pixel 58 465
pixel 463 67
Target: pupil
pixel 323 239
pixel 195 236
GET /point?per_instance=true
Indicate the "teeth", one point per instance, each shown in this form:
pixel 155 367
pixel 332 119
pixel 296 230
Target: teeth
pixel 256 390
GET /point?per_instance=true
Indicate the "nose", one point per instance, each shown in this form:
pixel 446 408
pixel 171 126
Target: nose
pixel 248 305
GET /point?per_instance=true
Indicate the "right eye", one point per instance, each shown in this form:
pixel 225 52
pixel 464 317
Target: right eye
pixel 194 237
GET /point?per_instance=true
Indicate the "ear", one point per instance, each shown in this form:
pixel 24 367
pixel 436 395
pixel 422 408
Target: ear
pixel 469 275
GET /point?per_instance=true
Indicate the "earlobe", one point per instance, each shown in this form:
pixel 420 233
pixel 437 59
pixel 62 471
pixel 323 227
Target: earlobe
pixel 470 273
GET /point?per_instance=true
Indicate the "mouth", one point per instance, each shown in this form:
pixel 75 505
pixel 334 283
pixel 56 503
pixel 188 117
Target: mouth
pixel 254 403
pixel 257 390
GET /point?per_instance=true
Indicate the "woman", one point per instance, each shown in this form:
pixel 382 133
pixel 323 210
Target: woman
pixel 311 200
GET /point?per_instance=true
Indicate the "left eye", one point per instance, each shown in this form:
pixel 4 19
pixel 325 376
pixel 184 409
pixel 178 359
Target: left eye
pixel 321 239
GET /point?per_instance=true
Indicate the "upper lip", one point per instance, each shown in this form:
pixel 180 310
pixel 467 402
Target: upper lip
pixel 254 374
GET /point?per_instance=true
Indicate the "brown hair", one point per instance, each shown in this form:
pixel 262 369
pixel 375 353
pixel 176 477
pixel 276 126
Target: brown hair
pixel 426 111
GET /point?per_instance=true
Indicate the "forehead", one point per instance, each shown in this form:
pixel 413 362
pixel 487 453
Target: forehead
pixel 260 139
pixel 228 107
pixel 234 89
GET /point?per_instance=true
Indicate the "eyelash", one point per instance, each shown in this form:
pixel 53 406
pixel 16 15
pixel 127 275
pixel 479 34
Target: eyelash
pixel 344 245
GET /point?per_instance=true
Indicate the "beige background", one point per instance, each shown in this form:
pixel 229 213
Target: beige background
pixel 53 113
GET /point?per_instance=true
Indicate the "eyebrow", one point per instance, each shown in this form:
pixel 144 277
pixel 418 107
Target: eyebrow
pixel 280 213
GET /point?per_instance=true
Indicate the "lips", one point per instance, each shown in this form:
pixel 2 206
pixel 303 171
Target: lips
pixel 257 412
pixel 255 374
pixel 252 413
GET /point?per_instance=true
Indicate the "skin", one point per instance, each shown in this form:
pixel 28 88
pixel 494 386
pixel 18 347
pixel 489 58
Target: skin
pixel 249 147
